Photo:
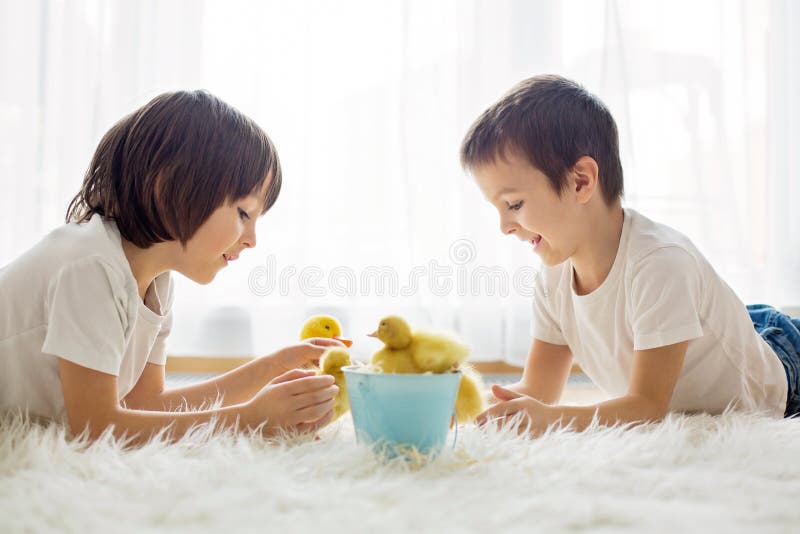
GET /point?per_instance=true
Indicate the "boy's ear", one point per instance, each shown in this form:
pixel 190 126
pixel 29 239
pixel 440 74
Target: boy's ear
pixel 584 179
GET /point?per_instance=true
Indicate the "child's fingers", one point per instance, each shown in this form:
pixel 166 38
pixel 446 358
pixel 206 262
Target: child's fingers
pixel 497 394
pixel 303 354
pixel 316 425
pixel 491 400
pixel 305 384
pixel 504 394
pixel 312 413
pixel 325 342
pixel 312 398
pixel 498 411
pixel 294 374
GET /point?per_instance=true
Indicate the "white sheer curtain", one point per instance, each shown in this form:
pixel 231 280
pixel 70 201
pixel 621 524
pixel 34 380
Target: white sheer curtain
pixel 367 102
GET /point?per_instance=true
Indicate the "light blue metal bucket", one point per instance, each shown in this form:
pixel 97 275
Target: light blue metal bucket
pixel 403 412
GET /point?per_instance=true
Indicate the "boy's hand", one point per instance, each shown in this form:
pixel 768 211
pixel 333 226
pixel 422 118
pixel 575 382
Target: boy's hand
pixel 516 387
pixel 297 400
pixel 300 355
pixel 536 415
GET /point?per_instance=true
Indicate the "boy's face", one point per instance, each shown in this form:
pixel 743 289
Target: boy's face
pixel 229 230
pixel 529 207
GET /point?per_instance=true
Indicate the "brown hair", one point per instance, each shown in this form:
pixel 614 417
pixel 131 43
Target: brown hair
pixel 552 122
pixel 160 172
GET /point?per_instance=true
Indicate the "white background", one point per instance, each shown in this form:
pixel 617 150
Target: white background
pixel 367 103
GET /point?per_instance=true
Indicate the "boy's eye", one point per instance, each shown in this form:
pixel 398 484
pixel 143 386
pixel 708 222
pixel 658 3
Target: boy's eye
pixel 517 206
pixel 243 214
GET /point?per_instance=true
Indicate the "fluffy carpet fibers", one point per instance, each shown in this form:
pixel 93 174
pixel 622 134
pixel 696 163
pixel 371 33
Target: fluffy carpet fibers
pixel 731 473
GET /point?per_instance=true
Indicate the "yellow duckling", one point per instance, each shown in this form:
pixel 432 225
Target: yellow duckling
pixel 470 399
pixel 333 359
pixel 408 351
pixel 396 355
pixel 331 363
pixel 436 353
pixel 323 326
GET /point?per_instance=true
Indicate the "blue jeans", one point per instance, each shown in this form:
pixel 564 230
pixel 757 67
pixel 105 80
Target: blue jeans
pixel 782 333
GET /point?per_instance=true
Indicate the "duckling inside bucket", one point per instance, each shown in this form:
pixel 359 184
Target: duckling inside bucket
pixel 408 351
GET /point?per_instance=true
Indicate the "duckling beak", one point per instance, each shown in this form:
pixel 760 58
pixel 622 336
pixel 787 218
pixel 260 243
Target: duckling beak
pixel 347 342
pixel 374 334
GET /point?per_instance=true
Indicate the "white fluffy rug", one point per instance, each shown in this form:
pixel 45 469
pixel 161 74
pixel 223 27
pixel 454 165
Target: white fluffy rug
pixel 733 473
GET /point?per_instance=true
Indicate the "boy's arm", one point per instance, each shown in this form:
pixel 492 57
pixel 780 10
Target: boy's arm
pixel 653 377
pixel 234 387
pixel 295 400
pixel 546 372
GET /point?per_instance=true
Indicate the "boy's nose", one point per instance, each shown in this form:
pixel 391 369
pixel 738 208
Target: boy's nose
pixel 508 227
pixel 249 238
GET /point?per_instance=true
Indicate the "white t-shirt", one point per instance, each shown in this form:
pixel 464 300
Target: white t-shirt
pixel 73 296
pixel 661 291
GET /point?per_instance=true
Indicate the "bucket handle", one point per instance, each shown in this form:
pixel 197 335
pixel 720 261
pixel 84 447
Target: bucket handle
pixel 455 429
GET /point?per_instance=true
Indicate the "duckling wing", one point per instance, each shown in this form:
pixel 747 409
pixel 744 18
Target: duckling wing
pixel 333 359
pixel 331 363
pixel 341 404
pixel 437 352
pixel 470 399
pixel 395 361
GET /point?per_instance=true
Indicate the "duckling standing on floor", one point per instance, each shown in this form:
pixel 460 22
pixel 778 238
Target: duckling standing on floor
pixel 331 363
pixel 408 351
pixel 470 398
pixel 333 359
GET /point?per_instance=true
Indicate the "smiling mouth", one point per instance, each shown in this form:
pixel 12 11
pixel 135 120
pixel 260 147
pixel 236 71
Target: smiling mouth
pixel 536 240
pixel 229 258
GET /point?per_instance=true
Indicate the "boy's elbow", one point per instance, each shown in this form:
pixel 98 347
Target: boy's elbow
pixel 92 426
pixel 649 410
pixel 86 428
pixel 658 411
pixel 148 404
